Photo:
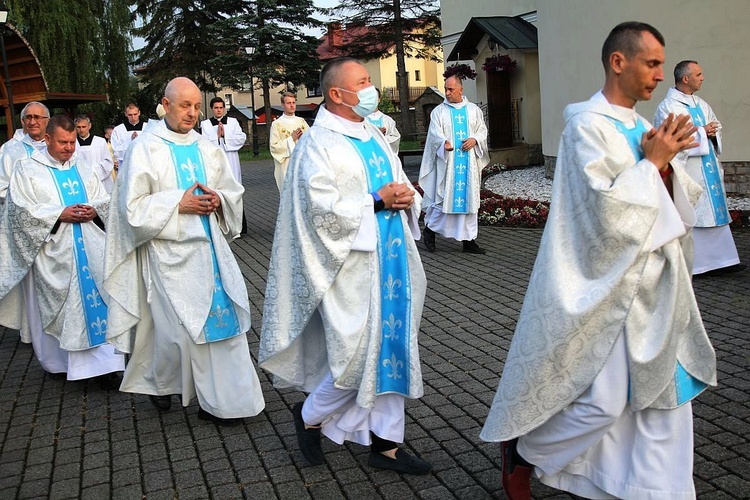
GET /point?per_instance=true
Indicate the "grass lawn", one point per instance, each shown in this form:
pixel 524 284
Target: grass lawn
pixel 246 154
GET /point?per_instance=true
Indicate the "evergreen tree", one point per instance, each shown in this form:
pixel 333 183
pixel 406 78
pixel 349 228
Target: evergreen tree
pixel 284 55
pixel 406 28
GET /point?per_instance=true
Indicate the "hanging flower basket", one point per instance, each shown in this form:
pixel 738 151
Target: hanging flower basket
pixel 462 71
pixel 499 63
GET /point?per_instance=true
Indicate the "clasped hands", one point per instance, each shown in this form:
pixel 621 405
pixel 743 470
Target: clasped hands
pixel 661 144
pixel 199 204
pixel 77 213
pixel 465 146
pixel 397 196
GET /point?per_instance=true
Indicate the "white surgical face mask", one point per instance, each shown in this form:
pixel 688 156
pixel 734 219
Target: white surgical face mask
pixel 368 101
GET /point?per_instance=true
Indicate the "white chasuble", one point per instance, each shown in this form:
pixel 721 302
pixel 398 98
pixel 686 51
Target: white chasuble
pixel 282 144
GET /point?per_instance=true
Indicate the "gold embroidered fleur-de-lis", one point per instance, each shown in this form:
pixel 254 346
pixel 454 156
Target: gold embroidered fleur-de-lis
pixel 72 186
pixel 190 167
pixel 99 327
pixel 378 162
pixel 390 287
pixel 392 244
pixel 219 314
pixel 395 365
pixel 390 326
pixel 93 297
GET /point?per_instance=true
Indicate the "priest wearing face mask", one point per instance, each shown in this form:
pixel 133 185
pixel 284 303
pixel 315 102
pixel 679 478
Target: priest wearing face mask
pixel 455 153
pixel 345 282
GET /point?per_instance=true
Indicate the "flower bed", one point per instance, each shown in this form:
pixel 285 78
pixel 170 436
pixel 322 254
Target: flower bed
pixel 496 210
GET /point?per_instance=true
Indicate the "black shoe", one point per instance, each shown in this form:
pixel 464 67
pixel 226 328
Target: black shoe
pixel 161 403
pixel 57 376
pixel 208 417
pixel 308 440
pixel 403 463
pixel 429 239
pixel 108 381
pixel 471 246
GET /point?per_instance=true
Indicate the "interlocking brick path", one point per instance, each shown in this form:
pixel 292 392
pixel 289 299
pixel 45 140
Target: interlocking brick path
pixel 70 440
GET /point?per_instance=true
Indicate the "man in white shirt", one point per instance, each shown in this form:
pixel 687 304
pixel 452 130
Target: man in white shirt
pixel 124 133
pixel 94 150
pixel 285 132
pixel 224 131
pixel 387 127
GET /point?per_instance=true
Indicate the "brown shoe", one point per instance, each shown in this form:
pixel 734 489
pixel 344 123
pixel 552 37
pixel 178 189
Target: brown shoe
pixel 516 477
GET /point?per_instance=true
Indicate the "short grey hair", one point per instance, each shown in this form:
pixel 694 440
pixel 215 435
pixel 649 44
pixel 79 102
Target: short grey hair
pixel 34 103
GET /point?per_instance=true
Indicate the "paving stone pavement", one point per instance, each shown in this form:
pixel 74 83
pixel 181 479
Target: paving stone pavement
pixel 71 440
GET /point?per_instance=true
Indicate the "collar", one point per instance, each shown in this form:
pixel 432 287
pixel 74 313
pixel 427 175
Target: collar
pixel 130 127
pixel 336 123
pixel 161 130
pixel 456 105
pixel 677 95
pixel 215 122
pixel 87 141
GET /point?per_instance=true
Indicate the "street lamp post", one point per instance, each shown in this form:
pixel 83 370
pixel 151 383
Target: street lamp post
pixel 3 20
pixel 256 147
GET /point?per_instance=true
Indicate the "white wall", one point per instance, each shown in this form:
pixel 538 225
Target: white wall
pixel 716 34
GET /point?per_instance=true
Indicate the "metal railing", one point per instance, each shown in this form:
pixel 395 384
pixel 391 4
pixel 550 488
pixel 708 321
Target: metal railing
pixel 395 95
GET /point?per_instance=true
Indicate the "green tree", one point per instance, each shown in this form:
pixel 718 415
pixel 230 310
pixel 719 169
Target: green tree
pixel 284 54
pixel 83 46
pixel 406 28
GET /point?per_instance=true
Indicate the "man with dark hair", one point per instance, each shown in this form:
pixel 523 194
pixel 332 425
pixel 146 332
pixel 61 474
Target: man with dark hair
pixel 56 205
pixel 345 283
pixel 715 251
pixel 455 152
pixel 179 302
pixel 124 133
pixel 94 150
pixel 285 132
pixel 226 133
pixel 610 348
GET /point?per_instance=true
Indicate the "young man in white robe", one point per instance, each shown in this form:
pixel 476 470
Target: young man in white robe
pixel 455 153
pixel 610 347
pixel 285 132
pixel 124 133
pixel 715 250
pixel 179 303
pixel 94 150
pixel 387 127
pixel 55 206
pixel 345 282
pixel 226 133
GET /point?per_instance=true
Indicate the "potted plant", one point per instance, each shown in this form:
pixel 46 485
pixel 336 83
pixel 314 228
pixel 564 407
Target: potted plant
pixel 499 63
pixel 462 71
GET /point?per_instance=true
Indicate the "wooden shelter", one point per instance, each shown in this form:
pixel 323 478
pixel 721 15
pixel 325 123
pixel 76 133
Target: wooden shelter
pixel 28 83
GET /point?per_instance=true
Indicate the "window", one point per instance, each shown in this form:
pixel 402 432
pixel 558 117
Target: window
pixel 229 99
pixel 314 91
pixel 417 75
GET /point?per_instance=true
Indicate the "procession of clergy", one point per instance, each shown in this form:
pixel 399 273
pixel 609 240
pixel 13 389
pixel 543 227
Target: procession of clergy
pixel 595 395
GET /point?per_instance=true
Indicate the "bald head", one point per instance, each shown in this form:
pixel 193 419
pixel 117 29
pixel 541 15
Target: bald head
pixel 334 73
pixel 182 104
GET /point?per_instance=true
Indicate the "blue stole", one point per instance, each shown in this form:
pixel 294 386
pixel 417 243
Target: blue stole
pixel 29 149
pixel 711 175
pixel 460 121
pixel 222 320
pixel 687 387
pixel 378 122
pixel 71 190
pixel 395 289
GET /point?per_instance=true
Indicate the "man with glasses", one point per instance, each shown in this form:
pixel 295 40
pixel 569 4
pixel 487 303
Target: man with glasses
pixel 34 118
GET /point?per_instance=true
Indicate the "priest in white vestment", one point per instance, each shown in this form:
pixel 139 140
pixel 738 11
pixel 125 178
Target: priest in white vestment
pixel 715 250
pixel 126 132
pixel 345 283
pixel 226 133
pixel 387 127
pixel 179 303
pixel 610 347
pixel 285 132
pixel 53 218
pixel 455 153
pixel 34 118
pixel 94 150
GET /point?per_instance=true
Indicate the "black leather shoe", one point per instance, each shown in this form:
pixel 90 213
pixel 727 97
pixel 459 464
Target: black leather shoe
pixel 308 440
pixel 161 403
pixel 108 381
pixel 429 239
pixel 736 268
pixel 227 422
pixel 472 247
pixel 57 376
pixel 403 463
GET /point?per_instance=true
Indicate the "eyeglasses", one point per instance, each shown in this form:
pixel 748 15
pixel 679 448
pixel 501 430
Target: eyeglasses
pixel 38 118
